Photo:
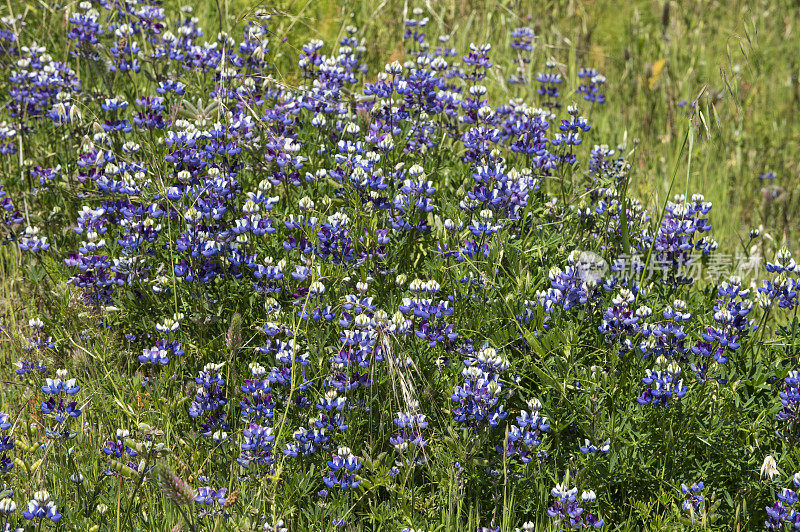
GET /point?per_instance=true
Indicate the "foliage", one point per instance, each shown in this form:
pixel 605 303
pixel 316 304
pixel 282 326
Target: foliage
pixel 267 287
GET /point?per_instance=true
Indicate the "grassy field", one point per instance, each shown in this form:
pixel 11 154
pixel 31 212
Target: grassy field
pixel 701 97
pixel 734 59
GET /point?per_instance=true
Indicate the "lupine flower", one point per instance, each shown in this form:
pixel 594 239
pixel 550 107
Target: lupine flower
pixel 6 444
pixel 590 448
pixel 478 397
pixel 31 241
pixel 58 407
pixel 620 322
pixel 790 399
pixel 591 84
pixel 210 395
pixel 783 288
pixel 524 437
pixel 667 338
pixel 9 215
pixel 7 506
pixel 26 367
pixel 257 446
pixel 274 526
pixel 522 42
pixel 85 28
pixel 342 468
pixel 522 39
pixel 567 512
pixel 662 386
pixel 41 507
pixel 680 233
pixel 786 510
pixel 693 498
pixel 549 82
pixel 410 434
pixel 117 449
pixel 159 353
pixel 211 501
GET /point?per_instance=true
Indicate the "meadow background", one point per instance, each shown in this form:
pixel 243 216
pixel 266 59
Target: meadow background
pixel 705 98
pixel 734 58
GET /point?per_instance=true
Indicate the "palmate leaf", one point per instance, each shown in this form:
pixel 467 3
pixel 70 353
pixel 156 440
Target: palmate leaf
pixel 198 111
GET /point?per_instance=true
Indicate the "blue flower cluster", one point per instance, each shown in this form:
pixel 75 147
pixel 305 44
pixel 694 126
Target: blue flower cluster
pixel 784 514
pixel 59 407
pixel 567 511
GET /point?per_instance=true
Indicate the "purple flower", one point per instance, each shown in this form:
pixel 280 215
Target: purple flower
pixel 693 497
pixel 41 507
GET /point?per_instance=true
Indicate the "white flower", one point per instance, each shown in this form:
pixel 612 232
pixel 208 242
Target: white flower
pixel 769 468
pixel 7 506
